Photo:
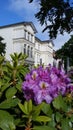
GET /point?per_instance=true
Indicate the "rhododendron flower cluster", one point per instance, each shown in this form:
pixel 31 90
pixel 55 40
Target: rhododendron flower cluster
pixel 44 84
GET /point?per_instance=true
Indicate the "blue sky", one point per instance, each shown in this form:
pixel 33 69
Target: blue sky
pixel 12 11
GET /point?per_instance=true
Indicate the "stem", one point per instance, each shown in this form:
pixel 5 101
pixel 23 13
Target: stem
pixel 29 124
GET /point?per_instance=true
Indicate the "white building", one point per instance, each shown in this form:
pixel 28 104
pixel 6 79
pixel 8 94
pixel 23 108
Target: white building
pixel 20 37
pixel 43 52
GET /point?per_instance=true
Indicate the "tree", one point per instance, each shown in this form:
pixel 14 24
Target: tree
pixel 2 46
pixel 66 52
pixel 57 16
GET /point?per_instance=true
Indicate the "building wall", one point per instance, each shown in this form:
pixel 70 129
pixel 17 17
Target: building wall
pixel 43 53
pixel 37 52
pixel 21 38
pixel 24 41
pixel 7 34
pixel 18 32
pixel 46 54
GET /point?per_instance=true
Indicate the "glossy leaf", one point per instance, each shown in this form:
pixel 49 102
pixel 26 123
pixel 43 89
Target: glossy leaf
pixel 27 107
pixel 59 103
pixel 6 121
pixel 42 119
pixel 5 86
pixel 9 103
pixel 24 110
pixel 11 92
pixel 65 124
pixel 72 118
pixel 43 128
pixel 18 86
pixel 58 117
pixel 37 109
pixel 47 109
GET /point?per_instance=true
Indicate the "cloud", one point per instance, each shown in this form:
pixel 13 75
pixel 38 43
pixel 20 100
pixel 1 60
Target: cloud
pixel 16 5
pixel 23 5
pixel 24 9
pixel 27 11
pixel 61 40
pixel 58 42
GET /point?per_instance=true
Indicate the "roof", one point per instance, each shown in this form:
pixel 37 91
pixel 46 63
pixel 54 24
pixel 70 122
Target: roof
pixel 20 23
pixel 38 39
pixel 45 41
pixel 48 41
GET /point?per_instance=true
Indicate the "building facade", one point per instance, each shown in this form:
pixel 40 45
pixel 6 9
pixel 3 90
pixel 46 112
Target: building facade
pixel 21 37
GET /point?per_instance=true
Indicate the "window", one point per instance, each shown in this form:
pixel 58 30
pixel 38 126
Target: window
pixel 31 38
pixel 40 61
pixel 24 48
pixel 31 52
pixel 38 46
pixel 25 34
pixel 28 36
pixel 38 58
pixel 28 51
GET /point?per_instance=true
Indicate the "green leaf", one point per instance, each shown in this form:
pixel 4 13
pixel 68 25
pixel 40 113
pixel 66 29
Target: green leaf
pixel 59 103
pixel 27 107
pixel 24 110
pixel 5 86
pixel 52 123
pixel 18 86
pixel 43 128
pixel 65 124
pixel 9 66
pixel 58 116
pixel 47 109
pixel 17 121
pixel 11 92
pixel 22 72
pixel 37 109
pixel 42 119
pixel 6 121
pixel 9 103
pixel 72 118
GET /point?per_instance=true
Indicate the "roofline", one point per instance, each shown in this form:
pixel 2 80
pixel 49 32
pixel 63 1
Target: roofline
pixel 48 41
pixel 44 41
pixel 38 39
pixel 20 23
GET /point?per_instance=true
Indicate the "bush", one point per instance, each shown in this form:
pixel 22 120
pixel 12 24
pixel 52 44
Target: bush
pixel 11 76
pixel 39 99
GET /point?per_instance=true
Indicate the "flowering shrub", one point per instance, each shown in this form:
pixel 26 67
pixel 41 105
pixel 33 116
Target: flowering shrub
pixel 44 101
pixel 49 99
pixel 45 84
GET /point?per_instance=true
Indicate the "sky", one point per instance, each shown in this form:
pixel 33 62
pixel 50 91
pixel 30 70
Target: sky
pixel 14 11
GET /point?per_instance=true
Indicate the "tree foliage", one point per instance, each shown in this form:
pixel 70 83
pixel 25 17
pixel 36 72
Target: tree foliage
pixel 66 51
pixel 2 46
pixel 57 16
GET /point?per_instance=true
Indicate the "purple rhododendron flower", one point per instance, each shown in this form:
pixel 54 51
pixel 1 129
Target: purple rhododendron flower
pixel 44 84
